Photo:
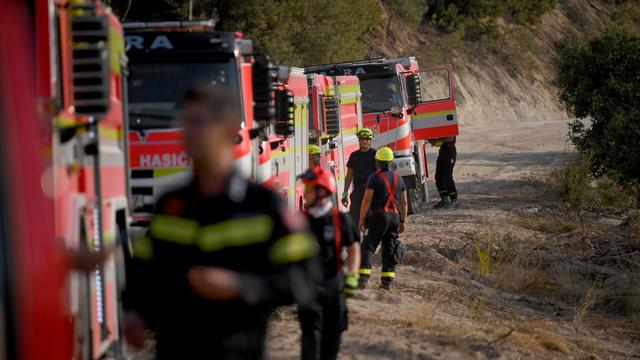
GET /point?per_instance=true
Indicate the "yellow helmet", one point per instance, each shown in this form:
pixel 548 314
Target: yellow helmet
pixel 384 154
pixel 314 150
pixel 365 133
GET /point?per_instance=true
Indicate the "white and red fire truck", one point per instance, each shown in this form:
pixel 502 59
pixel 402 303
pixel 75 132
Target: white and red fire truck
pixel 403 105
pixel 165 59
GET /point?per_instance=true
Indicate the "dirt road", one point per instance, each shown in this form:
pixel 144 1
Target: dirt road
pixel 442 307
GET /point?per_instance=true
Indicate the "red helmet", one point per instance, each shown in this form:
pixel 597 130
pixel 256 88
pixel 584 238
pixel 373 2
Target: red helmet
pixel 319 177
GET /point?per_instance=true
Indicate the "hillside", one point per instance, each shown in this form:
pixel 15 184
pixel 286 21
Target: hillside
pixel 502 51
pixel 509 78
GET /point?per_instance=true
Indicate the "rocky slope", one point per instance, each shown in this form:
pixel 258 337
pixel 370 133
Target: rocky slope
pixel 510 79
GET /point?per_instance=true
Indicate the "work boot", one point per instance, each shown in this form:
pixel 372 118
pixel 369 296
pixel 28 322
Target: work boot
pixel 454 200
pixel 385 283
pixel 444 202
pixel 362 281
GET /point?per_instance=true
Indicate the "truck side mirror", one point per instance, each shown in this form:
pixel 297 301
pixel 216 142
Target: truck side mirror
pixel 263 106
pixel 285 111
pixel 412 83
pixel 91 68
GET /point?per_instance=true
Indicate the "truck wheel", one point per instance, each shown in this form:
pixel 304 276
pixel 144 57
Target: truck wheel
pixel 414 200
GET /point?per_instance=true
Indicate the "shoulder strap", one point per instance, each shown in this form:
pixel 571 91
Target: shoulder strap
pixel 391 199
pixel 337 225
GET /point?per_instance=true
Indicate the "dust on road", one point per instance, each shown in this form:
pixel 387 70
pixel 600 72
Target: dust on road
pixel 441 308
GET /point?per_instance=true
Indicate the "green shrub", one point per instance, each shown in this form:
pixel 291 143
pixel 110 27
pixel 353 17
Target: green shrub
pixel 411 11
pixel 600 80
pixel 573 182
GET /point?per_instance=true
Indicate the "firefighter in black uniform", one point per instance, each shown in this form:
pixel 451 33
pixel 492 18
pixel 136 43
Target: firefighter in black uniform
pixel 324 320
pixel 360 166
pixel 382 217
pixel 220 252
pixel 444 172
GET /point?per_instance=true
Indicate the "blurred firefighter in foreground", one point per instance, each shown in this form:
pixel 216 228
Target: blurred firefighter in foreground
pixel 444 172
pixel 382 217
pixel 220 252
pixel 360 166
pixel 324 320
pixel 315 155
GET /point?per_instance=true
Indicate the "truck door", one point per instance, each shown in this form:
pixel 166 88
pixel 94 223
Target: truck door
pixel 431 91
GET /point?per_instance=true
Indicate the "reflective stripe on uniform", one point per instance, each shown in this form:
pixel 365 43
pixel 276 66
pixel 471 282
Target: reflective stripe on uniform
pixel 236 232
pixel 143 248
pixel 292 248
pixel 364 271
pixel 388 274
pixel 175 229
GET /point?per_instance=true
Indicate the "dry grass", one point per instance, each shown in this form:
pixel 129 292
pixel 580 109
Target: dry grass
pixel 560 270
pixel 553 342
pixel 584 306
pixel 546 225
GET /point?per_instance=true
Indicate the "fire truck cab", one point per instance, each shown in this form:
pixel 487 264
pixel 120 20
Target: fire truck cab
pixel 166 58
pixel 404 106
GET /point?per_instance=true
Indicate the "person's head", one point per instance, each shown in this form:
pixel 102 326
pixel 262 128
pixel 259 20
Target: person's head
pixel 365 136
pixel 384 156
pixel 211 123
pixel 315 153
pixel 318 186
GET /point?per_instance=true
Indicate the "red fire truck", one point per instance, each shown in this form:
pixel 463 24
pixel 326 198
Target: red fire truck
pixel 33 319
pixel 81 77
pixel 404 105
pixel 336 116
pixel 65 178
pixel 165 59
pixel 324 111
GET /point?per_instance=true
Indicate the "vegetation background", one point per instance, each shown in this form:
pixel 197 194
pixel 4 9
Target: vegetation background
pixel 516 60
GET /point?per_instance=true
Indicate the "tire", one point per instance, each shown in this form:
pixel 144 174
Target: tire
pixel 415 202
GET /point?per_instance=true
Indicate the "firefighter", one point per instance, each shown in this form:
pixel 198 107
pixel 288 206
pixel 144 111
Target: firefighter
pixel 324 320
pixel 220 252
pixel 444 172
pixel 315 153
pixel 382 217
pixel 360 166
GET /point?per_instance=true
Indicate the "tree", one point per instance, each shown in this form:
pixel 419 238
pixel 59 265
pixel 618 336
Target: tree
pixel 292 32
pixel 305 32
pixel 600 81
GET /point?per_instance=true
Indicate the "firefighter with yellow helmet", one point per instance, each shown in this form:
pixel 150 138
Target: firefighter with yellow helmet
pixel 315 154
pixel 360 166
pixel 382 216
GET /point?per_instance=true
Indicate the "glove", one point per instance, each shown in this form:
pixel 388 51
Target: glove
pixel 350 284
pixel 345 201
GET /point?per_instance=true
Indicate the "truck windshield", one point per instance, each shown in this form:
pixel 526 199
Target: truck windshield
pixel 379 94
pixel 156 88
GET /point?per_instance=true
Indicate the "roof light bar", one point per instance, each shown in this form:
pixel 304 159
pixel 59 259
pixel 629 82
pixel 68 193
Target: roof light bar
pixel 170 24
